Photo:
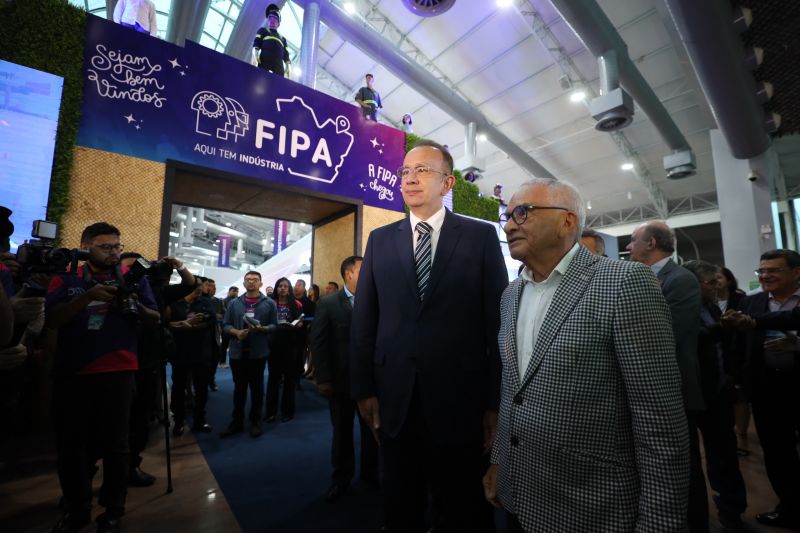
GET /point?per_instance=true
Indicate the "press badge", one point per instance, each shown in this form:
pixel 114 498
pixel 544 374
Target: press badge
pixel 97 315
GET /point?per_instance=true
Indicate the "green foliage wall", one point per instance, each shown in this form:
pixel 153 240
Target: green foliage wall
pixel 466 198
pixel 48 35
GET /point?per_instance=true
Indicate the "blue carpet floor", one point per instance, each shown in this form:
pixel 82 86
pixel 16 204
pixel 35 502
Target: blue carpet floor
pixel 276 483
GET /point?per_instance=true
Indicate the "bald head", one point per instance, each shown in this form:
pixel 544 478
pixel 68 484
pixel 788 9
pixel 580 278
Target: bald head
pixel 651 242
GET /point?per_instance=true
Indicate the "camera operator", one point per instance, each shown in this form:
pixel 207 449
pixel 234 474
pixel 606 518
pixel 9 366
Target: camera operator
pixel 27 311
pixel 152 354
pixel 191 321
pixel 94 366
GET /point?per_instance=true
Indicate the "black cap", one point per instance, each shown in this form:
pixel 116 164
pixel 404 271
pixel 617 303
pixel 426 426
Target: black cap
pixel 273 9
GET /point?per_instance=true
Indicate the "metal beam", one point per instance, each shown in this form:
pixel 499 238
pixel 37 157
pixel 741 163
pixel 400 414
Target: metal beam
pixel 570 69
pixel 358 32
pixel 186 21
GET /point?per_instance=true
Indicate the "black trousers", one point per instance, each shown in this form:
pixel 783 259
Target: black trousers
pixel 698 495
pixel 92 412
pixel 248 373
pixel 142 409
pixel 180 378
pixel 223 348
pixel 776 404
pixel 417 468
pixel 343 410
pixel 722 464
pixel 282 366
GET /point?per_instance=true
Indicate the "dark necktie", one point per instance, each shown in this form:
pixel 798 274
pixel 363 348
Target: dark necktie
pixel 423 257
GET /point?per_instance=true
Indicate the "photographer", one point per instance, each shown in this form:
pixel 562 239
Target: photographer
pixel 191 321
pixel 153 340
pixel 94 366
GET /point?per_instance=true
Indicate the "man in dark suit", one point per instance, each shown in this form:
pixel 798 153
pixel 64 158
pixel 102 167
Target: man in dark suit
pixel 772 379
pixel 653 243
pixel 330 349
pixel 425 366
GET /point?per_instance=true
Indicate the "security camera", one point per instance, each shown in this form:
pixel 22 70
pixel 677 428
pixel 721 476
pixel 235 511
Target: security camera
pixel 752 176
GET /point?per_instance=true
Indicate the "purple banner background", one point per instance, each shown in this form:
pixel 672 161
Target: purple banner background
pixel 148 98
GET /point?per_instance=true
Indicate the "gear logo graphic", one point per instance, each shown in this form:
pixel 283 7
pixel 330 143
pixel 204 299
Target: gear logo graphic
pixel 219 117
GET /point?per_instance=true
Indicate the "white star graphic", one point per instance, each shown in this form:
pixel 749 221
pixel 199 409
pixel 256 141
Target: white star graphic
pixel 183 73
pixel 380 152
pixel 174 63
pixel 137 127
pixel 361 185
pixel 129 118
pixel 374 142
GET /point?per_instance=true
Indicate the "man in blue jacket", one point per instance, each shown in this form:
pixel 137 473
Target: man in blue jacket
pixel 248 321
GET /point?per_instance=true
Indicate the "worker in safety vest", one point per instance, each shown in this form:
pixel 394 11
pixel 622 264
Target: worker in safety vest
pixel 270 51
pixel 369 100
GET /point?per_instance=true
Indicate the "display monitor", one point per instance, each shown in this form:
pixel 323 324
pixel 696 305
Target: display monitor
pixel 30 101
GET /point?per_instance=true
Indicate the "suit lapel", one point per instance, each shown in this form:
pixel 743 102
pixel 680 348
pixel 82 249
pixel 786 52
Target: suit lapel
pixel 569 293
pixel 511 339
pixel 405 251
pixel 344 301
pixel 448 239
pixel 665 270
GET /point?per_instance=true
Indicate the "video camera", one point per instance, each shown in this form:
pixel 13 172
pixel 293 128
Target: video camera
pixel 40 255
pixel 129 283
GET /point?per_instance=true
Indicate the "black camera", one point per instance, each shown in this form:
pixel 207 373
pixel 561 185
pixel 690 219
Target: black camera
pixel 40 255
pixel 130 282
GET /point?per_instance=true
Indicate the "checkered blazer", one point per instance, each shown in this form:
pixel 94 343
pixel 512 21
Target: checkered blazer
pixel 593 437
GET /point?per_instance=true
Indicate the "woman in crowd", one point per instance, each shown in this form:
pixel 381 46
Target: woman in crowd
pixel 283 355
pixel 308 368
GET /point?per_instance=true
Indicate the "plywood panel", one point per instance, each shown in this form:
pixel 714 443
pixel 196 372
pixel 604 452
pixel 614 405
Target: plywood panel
pixel 375 217
pixel 333 243
pixel 124 191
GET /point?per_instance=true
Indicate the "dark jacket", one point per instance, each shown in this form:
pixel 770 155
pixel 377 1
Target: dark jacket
pixel 266 313
pixel 682 292
pixel 445 346
pixel 330 341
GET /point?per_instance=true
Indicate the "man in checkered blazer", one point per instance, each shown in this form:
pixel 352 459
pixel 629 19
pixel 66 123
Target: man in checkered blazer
pixel 592 434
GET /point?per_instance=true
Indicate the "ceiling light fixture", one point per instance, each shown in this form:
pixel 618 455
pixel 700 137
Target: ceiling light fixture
pixel 297 72
pixel 627 166
pixel 504 3
pixel 630 195
pixel 482 137
pixel 578 95
pixel 228 224
pixel 350 7
pixel 589 204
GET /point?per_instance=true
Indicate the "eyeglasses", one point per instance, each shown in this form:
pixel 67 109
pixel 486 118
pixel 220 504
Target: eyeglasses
pixel 108 248
pixel 761 272
pixel 520 213
pixel 712 282
pixel 419 171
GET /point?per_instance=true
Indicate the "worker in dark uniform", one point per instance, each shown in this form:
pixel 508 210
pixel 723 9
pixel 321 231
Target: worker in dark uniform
pixel 270 50
pixel 369 99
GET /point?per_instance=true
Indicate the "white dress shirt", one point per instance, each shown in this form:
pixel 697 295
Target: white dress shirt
pixel 658 265
pixel 133 11
pixel 533 306
pixel 435 221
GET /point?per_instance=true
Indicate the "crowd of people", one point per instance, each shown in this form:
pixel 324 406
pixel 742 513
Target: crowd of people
pixel 572 398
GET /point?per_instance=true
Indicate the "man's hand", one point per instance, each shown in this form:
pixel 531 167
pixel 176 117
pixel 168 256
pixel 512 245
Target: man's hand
pixel 101 293
pixel 737 320
pixel 489 429
pixel 26 309
pixel 173 262
pixel 325 389
pixel 240 334
pixel 783 344
pixel 490 486
pixel 196 320
pixel 10 260
pixel 368 407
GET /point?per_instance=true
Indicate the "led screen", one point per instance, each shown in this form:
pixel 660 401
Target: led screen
pixel 29 104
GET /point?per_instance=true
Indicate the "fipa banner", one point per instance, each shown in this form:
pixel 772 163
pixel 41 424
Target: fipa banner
pixel 147 98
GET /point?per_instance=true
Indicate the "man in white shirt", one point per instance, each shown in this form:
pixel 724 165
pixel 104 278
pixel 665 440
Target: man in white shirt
pixel 137 14
pixel 591 434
